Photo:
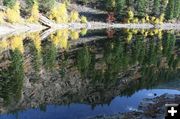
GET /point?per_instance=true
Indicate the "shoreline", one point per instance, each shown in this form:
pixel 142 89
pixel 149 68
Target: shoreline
pixel 147 109
pixel 6 29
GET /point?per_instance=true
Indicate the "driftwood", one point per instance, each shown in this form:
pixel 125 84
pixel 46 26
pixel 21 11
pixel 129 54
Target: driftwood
pixel 45 21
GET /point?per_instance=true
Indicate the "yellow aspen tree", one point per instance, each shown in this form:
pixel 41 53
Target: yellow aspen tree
pixel 34 13
pixel 13 14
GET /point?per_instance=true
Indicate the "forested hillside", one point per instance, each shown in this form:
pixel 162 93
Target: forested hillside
pixel 141 8
pixel 155 12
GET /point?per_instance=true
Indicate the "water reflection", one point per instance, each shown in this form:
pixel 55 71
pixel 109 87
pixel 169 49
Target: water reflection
pixel 56 70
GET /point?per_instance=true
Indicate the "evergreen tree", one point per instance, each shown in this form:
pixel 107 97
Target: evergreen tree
pixel 110 5
pixel 141 7
pixel 130 3
pixel 177 8
pixel 157 5
pixel 170 10
pixel 9 3
pixel 46 5
pixel 30 3
pixel 120 6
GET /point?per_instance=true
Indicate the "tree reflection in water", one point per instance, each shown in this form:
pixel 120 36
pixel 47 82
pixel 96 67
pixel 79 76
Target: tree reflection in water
pixel 143 58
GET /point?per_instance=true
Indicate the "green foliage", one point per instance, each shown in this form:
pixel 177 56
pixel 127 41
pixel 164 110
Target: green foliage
pixel 49 56
pixel 83 59
pixel 84 1
pixel 12 83
pixel 9 3
pixel 30 3
pixel 84 19
pixel 177 9
pixel 120 7
pixel 170 10
pixel 156 9
pixel 46 5
pixel 110 5
pixel 141 7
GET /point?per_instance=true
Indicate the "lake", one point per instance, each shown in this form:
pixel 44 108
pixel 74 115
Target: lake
pixel 81 74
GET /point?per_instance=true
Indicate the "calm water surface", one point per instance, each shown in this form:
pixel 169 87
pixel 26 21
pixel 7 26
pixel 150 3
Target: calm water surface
pixel 82 74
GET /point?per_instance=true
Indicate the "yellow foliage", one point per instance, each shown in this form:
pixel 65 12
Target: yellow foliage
pixel 160 34
pixel 146 34
pixel 153 19
pixel 151 33
pixel 64 43
pixel 83 19
pixel 83 32
pixel 34 13
pixel 53 13
pixel 142 31
pixel 129 37
pixel 147 18
pixel 135 20
pixel 1 17
pixel 3 44
pixel 74 35
pixel 74 16
pixel 67 2
pixel 130 14
pixel 60 39
pixel 36 40
pixel 161 18
pixel 143 20
pixel 156 21
pixel 13 14
pixel 17 43
pixel 156 31
pixel 59 13
pixel 135 31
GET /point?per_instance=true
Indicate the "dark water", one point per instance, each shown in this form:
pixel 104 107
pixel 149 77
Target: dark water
pixel 64 77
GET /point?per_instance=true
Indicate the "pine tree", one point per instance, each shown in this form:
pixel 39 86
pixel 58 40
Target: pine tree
pixel 110 5
pixel 177 9
pixel 141 7
pixel 170 10
pixel 30 3
pixel 120 6
pixel 156 10
pixel 9 3
pixel 46 5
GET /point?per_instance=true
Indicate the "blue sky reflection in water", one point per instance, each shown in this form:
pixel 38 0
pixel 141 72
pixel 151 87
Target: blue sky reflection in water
pixel 82 111
pixel 104 77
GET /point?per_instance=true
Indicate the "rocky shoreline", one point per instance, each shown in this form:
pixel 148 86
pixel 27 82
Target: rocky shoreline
pixel 148 108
